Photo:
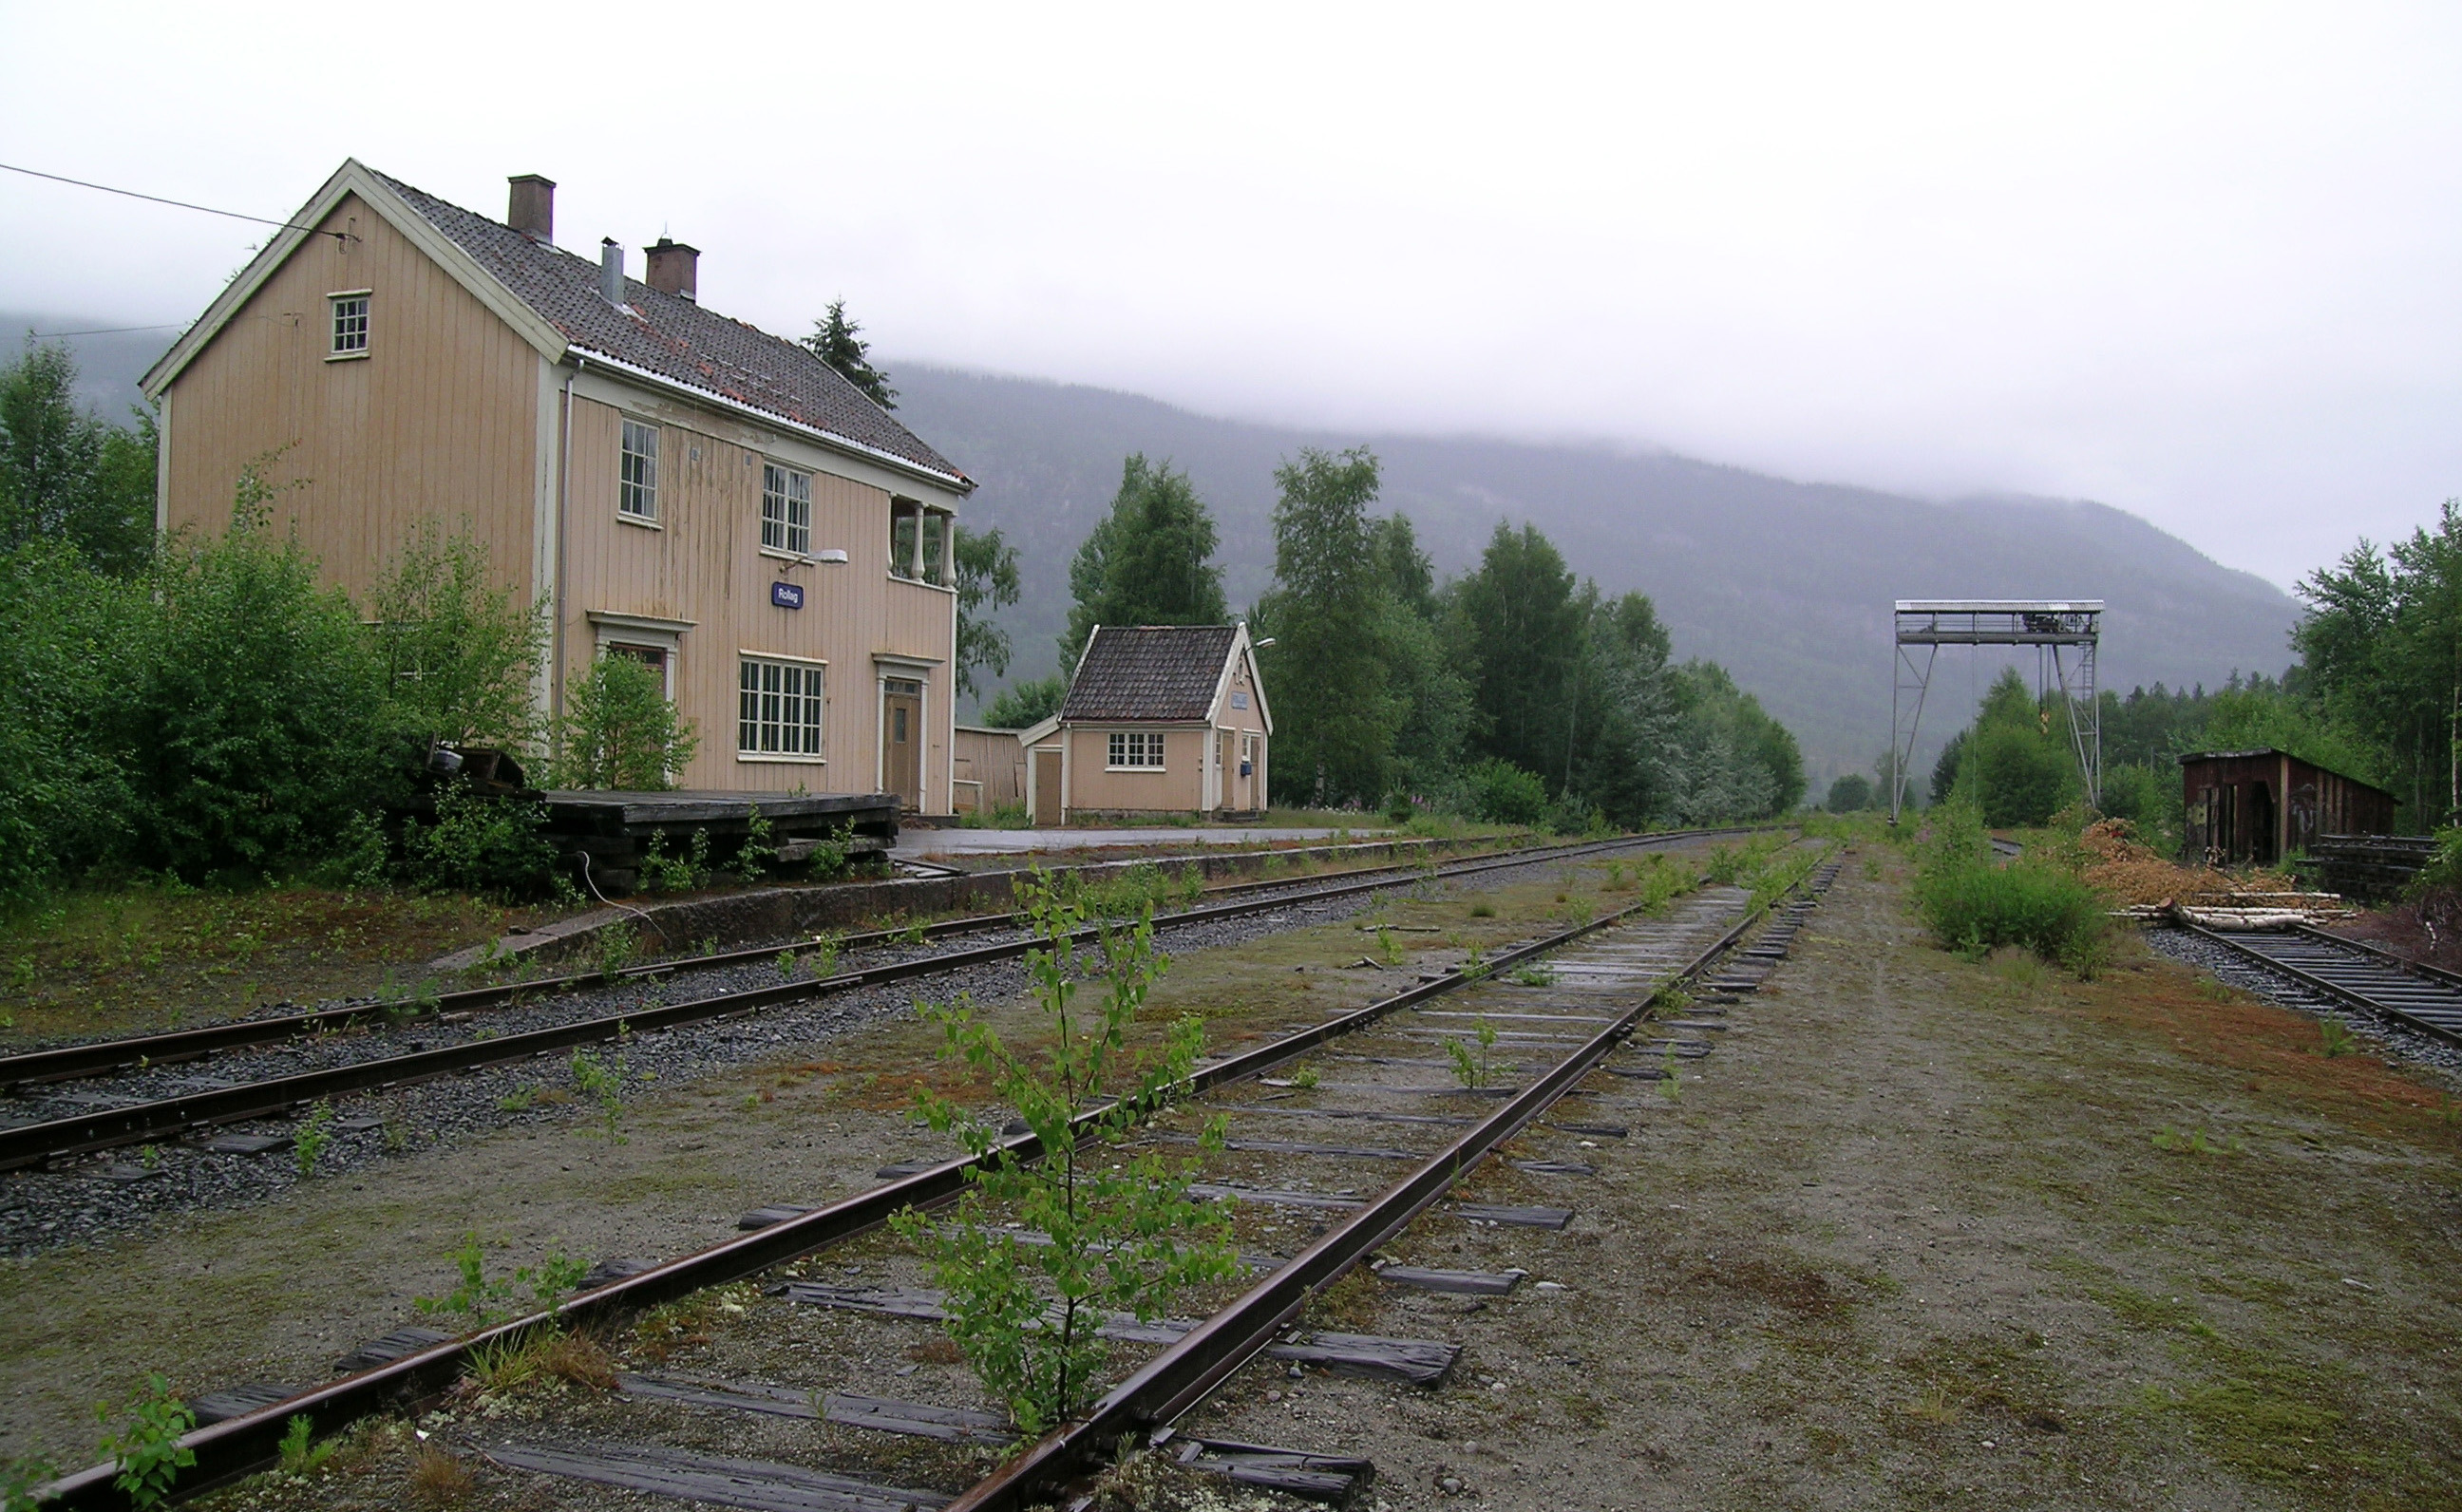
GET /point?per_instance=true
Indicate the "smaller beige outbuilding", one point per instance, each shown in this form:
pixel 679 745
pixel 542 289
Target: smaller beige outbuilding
pixel 1159 720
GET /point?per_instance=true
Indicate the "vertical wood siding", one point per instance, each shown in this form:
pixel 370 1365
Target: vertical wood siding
pixel 438 420
pixel 441 421
pixel 705 563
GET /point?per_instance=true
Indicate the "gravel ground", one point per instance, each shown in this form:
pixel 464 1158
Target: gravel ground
pixel 86 1200
pixel 2397 1044
pixel 249 1272
pixel 1926 1233
pixel 740 1334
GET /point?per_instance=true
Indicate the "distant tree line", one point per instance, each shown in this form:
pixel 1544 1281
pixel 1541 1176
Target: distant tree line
pixel 1517 691
pixel 2376 694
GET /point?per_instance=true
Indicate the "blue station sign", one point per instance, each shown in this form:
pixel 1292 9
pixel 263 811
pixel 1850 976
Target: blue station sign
pixel 786 595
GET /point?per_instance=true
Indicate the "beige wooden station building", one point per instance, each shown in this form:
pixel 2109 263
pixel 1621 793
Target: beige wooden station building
pixel 1159 720
pixel 673 485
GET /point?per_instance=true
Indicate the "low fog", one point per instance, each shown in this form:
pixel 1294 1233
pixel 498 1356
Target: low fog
pixel 2195 262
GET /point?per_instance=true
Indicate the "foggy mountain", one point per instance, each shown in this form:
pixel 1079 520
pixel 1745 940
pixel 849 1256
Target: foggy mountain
pixel 1787 583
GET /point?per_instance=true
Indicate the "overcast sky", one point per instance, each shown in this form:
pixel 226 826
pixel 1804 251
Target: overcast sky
pixel 2198 262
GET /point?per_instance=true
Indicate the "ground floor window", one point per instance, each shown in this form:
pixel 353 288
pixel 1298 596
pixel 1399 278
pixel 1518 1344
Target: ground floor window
pixel 778 710
pixel 1136 748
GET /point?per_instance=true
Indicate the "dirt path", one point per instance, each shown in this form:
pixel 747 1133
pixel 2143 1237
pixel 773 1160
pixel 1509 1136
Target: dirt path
pixel 1916 1235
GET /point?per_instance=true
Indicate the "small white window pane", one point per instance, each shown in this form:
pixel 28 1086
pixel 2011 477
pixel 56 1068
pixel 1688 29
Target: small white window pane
pixel 351 324
pixel 637 485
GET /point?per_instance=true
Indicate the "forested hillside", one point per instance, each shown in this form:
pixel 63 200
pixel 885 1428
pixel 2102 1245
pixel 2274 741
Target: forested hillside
pixel 1786 585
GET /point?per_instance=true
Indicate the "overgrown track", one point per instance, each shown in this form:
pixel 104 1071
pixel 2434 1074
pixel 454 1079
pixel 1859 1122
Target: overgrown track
pixel 1201 1358
pixel 157 1120
pixel 2407 992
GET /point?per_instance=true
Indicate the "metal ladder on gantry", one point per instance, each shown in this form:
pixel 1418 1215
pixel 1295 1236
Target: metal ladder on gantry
pixel 2063 631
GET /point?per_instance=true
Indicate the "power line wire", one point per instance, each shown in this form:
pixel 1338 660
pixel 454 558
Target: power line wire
pixel 106 330
pixel 287 226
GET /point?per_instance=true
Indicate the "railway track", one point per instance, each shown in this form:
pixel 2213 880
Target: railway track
pixel 1579 1021
pixel 2355 975
pixel 101 1121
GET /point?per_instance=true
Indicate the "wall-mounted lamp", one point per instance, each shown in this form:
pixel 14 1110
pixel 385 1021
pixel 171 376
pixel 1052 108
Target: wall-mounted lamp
pixel 832 558
pixel 1259 646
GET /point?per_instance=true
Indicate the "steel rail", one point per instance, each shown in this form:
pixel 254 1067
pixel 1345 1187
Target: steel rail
pixel 238 1446
pixel 2417 968
pixel 69 1062
pixel 2332 989
pixel 1186 1372
pixel 143 1122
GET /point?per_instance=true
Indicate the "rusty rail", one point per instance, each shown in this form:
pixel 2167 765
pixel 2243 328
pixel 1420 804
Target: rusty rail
pixel 1186 1372
pixel 30 1144
pixel 239 1446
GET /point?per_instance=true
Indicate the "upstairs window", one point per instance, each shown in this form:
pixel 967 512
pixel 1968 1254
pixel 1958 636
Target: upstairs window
pixel 350 324
pixel 1136 748
pixel 786 510
pixel 636 488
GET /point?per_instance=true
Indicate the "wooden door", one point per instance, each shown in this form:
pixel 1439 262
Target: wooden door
pixel 1047 786
pixel 901 740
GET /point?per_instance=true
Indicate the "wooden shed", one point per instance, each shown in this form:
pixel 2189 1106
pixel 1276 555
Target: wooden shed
pixel 990 770
pixel 2256 807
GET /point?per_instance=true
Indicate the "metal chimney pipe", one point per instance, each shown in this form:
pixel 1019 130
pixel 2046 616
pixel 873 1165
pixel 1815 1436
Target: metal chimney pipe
pixel 611 272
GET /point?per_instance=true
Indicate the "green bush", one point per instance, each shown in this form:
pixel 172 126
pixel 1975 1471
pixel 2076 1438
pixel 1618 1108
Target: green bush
pixel 1500 792
pixel 460 654
pixel 1972 905
pixel 1024 704
pixel 1851 793
pixel 64 797
pixel 619 730
pixel 478 843
pixel 251 708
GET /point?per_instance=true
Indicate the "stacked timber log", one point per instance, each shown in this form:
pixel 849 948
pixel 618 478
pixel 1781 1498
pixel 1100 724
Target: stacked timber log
pixel 2378 867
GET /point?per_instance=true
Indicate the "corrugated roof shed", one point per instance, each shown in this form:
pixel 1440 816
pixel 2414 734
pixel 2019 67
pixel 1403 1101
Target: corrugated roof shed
pixel 1149 672
pixel 674 338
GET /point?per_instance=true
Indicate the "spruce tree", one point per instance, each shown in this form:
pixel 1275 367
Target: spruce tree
pixel 840 342
pixel 1149 561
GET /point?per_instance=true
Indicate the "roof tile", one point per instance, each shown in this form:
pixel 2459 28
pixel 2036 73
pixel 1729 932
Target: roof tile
pixel 674 337
pixel 1149 672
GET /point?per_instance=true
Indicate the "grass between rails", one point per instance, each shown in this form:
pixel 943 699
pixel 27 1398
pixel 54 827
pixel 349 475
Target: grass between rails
pixel 159 956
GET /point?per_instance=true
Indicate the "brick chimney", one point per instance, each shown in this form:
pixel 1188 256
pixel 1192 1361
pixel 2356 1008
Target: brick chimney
pixel 533 212
pixel 674 268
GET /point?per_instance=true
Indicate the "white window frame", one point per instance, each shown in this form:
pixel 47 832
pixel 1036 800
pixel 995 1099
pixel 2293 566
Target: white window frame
pixel 346 324
pixel 637 473
pixel 770 674
pixel 786 510
pixel 1133 751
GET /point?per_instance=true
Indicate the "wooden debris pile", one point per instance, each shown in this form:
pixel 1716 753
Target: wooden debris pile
pixel 2149 886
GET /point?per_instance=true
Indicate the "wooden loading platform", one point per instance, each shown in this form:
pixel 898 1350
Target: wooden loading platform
pixel 614 828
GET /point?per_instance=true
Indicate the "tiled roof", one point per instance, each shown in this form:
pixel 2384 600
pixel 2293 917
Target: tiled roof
pixel 1149 672
pixel 675 338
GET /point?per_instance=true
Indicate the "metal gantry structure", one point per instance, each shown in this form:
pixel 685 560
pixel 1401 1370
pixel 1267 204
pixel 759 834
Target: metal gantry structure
pixel 2065 633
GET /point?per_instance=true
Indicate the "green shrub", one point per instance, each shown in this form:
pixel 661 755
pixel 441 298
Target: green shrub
pixel 459 654
pixel 251 711
pixel 1972 905
pixel 1023 705
pixel 621 731
pixel 1851 793
pixel 1500 792
pixel 480 844
pixel 1122 1232
pixel 64 796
